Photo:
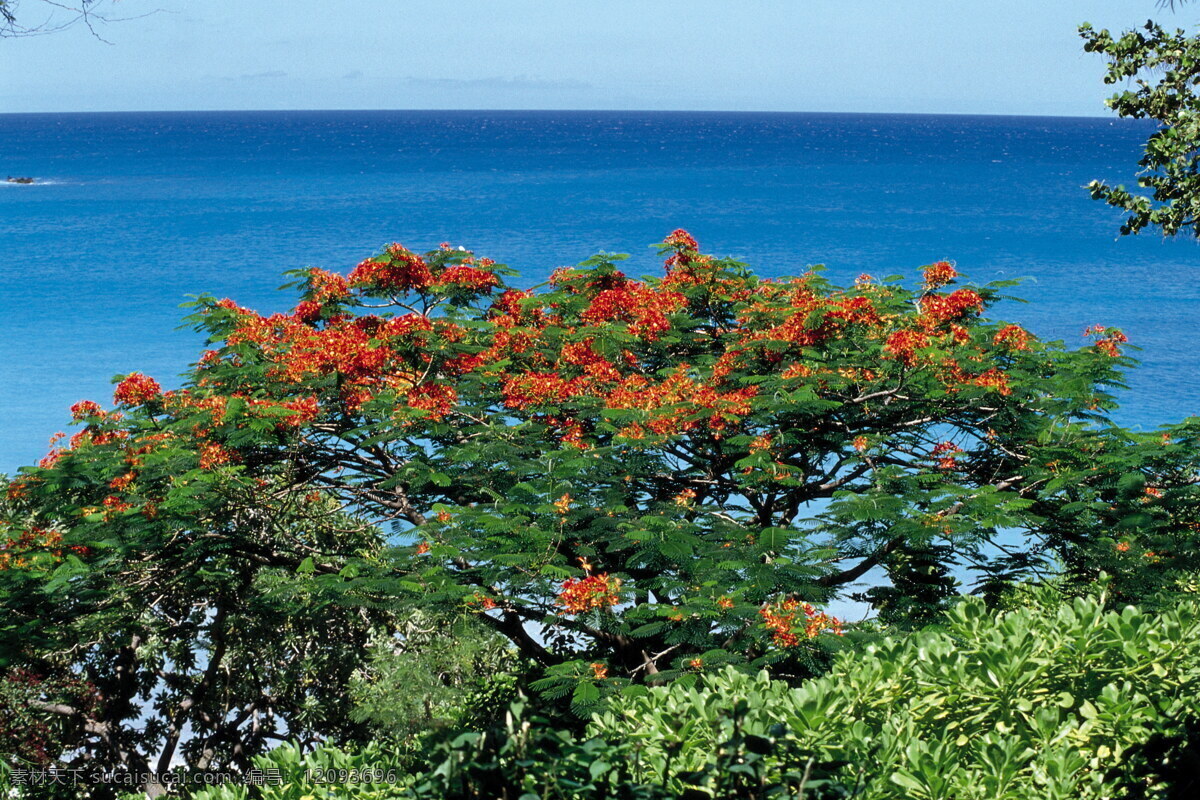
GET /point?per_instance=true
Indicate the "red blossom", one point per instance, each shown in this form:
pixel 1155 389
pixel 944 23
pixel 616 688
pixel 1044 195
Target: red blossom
pixel 902 345
pixel 463 278
pixel 137 390
pixel 397 270
pixel 859 310
pixel 681 239
pixel 435 399
pixel 945 453
pixel 1109 340
pixel 324 287
pixel 594 591
pixel 939 274
pixel 408 325
pixel 307 311
pixel 1013 337
pixel 780 620
pixel 304 410
pixel 213 455
pixel 642 307
pixel 84 409
pixel 995 380
pixel 944 308
pixel 533 389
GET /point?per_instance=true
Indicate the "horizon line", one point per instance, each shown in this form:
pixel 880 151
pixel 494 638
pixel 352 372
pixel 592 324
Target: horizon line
pixel 1109 116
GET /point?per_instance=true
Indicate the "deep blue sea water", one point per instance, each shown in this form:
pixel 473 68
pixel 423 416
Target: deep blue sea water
pixel 136 211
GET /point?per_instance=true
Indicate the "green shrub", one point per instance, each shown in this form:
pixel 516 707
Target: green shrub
pixel 321 774
pixel 1052 701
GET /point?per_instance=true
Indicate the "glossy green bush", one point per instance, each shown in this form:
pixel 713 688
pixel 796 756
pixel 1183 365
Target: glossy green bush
pixel 1052 701
pixel 316 775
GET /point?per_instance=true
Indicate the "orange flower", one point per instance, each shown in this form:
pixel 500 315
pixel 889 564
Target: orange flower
pixel 593 592
pixel 121 482
pixel 939 274
pixel 435 399
pixel 599 670
pixel 397 270
pixel 902 345
pixel 781 620
pixel 85 409
pixel 213 455
pixel 1013 337
pixel 944 308
pixel 945 453
pixel 137 389
pixel 1109 341
pixel 993 379
pixel 681 239
pixel 760 443
pixel 563 504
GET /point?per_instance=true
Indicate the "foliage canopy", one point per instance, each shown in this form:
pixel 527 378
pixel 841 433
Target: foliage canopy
pixel 630 480
pixel 1164 67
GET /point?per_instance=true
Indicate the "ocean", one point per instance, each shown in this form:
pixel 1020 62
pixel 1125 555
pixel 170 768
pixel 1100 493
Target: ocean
pixel 133 212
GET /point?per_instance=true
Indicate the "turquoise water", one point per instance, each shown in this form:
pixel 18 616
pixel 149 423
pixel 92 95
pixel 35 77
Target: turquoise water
pixel 136 211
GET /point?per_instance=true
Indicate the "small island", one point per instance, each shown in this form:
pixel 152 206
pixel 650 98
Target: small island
pixel 11 179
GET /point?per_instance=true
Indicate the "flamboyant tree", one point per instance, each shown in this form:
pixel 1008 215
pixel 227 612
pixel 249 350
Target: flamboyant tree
pixel 629 479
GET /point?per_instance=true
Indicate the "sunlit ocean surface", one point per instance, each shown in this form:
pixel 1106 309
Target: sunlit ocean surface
pixel 133 212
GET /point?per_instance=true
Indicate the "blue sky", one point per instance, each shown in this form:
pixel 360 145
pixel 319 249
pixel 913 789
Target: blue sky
pixel 940 56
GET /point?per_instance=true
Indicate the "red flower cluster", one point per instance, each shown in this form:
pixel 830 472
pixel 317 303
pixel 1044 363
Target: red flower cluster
pixel 435 399
pixel 1109 340
pixel 858 309
pixel 122 482
pixel 137 389
pixel 304 410
pixel 508 309
pixel 944 308
pixel 1013 337
pixel 307 311
pixel 939 274
pixel 643 308
pixel 945 453
pixel 463 278
pixel 781 620
pixel 326 286
pixel 85 409
pixel 400 271
pixel 213 455
pixel 995 380
pixel 534 389
pixel 594 591
pixel 902 345
pixel 675 403
pixel 682 240
pixel 15 550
